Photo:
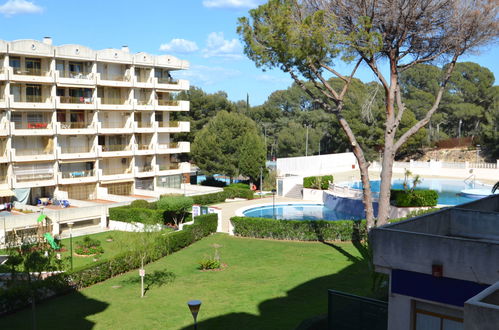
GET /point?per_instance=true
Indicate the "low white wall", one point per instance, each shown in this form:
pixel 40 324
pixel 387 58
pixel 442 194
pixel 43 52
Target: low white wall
pixel 316 165
pixel 288 183
pixel 399 312
pixel 132 227
pixel 313 195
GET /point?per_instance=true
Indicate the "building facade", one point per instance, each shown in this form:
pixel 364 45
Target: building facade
pixel 443 268
pixel 79 123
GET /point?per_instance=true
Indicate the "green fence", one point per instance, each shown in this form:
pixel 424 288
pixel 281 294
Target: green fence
pixel 350 312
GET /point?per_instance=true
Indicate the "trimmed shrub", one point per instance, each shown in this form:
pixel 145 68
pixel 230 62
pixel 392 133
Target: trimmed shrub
pixel 129 214
pixel 207 199
pixel 140 204
pixel 415 198
pixel 239 185
pixel 306 230
pixel 176 207
pixel 16 297
pixel 317 182
pixel 233 192
pixel 211 181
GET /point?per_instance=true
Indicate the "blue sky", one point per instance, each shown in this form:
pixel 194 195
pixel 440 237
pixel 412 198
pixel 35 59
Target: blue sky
pixel 200 31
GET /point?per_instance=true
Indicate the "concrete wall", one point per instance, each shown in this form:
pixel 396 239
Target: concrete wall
pixel 480 313
pixel 399 312
pixel 288 183
pixel 316 165
pixel 313 195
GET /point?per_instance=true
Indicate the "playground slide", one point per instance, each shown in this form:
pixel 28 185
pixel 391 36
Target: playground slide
pixel 51 241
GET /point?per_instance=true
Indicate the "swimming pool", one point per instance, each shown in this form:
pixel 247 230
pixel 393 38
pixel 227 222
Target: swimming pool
pixel 449 191
pixel 297 211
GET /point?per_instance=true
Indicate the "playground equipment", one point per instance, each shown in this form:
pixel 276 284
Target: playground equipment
pixel 44 226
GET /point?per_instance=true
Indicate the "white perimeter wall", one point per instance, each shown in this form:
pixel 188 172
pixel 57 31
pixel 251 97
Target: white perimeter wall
pixel 316 165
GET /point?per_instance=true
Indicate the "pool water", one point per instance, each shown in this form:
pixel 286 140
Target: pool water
pixel 448 190
pixel 298 212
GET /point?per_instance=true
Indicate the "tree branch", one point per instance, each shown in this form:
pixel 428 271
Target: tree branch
pixel 347 84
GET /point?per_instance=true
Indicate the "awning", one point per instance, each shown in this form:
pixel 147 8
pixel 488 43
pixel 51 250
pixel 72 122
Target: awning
pixel 116 181
pixel 6 193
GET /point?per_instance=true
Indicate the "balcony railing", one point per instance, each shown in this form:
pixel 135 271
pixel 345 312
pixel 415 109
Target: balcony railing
pixel 144 124
pixel 3 178
pixel 76 150
pixel 143 78
pixel 75 124
pixel 145 168
pixel 75 74
pixel 114 100
pixel 33 152
pixel 171 145
pixel 113 124
pixel 169 124
pixel 77 174
pixel 144 102
pixel 169 103
pixel 30 98
pixel 30 72
pixel 167 81
pixel 115 77
pixel 34 177
pixel 32 125
pixel 76 99
pixel 169 167
pixel 141 146
pixel 116 170
pixel 115 147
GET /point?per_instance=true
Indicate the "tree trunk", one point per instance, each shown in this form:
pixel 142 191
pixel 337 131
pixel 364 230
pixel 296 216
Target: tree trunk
pixel 385 186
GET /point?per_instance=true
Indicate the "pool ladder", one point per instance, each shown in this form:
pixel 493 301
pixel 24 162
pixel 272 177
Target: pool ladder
pixel 470 181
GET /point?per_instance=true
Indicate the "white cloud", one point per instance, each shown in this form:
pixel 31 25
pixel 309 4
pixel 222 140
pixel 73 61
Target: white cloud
pixel 231 3
pixel 202 75
pixel 181 46
pixel 218 46
pixel 14 7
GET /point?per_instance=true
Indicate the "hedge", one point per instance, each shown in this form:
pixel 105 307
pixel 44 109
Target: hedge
pixel 233 192
pixel 16 297
pixel 317 182
pixel 220 197
pixel 415 198
pixel 303 230
pixel 132 214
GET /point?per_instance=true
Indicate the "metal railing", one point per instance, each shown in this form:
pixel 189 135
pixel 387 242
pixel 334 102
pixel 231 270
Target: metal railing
pixel 115 77
pixel 75 124
pixel 144 102
pixel 33 152
pixel 76 150
pixel 169 103
pixel 77 174
pixel 116 170
pixel 169 167
pixel 113 124
pixel 75 74
pixel 482 165
pixel 173 124
pixel 76 99
pixel 144 124
pixel 32 125
pixel 167 81
pixel 115 147
pixel 143 79
pixel 145 168
pixel 114 100
pixel 34 177
pixel 30 72
pixel 30 98
pixel 171 145
pixel 143 146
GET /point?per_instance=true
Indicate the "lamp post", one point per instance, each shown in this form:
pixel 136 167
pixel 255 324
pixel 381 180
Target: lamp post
pixel 194 306
pixel 70 225
pixel 273 203
pixel 261 181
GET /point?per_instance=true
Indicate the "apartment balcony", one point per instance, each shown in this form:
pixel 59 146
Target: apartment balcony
pixel 77 176
pixel 144 127
pixel 30 180
pixel 170 84
pixel 114 103
pixel 75 103
pixel 144 149
pixel 145 171
pixel 115 150
pixel 143 104
pixel 173 147
pixel 116 173
pixel 173 126
pixel 82 152
pixel 3 74
pixel 115 127
pixel 4 155
pixel 72 79
pixel 32 128
pixel 31 75
pixel 168 105
pixel 173 168
pixel 4 127
pixel 75 128
pixel 115 80
pixel 31 102
pixel 29 155
pixel 142 82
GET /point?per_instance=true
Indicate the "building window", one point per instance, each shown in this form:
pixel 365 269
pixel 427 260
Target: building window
pixel 436 317
pixel 171 181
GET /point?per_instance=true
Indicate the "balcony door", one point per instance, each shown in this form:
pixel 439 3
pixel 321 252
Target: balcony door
pixel 33 66
pixel 33 93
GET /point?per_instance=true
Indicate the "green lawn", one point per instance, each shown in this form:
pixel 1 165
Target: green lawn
pixel 266 285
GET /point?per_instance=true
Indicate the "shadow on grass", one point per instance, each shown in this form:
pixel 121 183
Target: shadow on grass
pixel 52 316
pixel 157 278
pixel 301 302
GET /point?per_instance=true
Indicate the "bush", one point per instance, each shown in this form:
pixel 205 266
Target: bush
pixel 16 296
pixel 209 263
pixel 88 246
pixel 239 185
pixel 208 199
pixel 306 230
pixel 176 207
pixel 140 204
pixel 233 192
pixel 414 198
pixel 317 182
pixel 211 181
pixel 129 214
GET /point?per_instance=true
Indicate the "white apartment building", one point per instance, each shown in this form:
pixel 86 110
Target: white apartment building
pixel 81 123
